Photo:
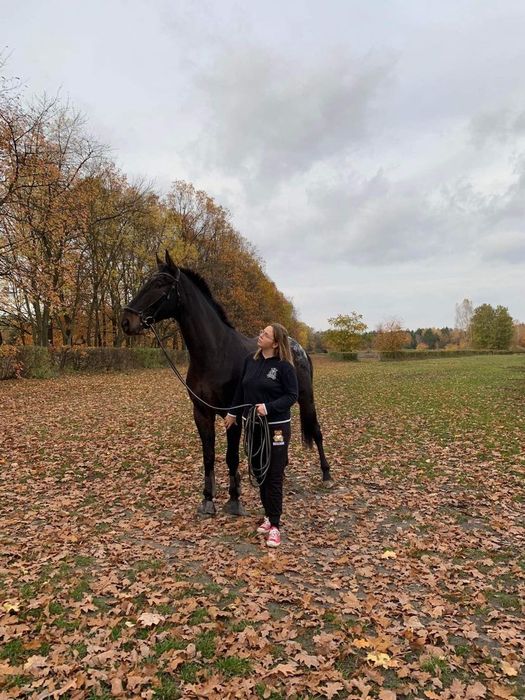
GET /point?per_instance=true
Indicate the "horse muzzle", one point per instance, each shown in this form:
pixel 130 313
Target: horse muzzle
pixel 131 323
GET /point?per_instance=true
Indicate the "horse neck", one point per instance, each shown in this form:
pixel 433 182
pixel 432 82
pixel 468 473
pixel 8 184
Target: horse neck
pixel 202 328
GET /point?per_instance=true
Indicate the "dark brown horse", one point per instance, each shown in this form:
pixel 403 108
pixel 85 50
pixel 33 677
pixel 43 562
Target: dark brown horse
pixel 216 352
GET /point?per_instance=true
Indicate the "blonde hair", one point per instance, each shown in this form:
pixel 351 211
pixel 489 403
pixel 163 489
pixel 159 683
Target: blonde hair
pixel 280 336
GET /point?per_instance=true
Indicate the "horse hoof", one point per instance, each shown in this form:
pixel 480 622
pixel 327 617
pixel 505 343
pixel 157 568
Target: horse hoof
pixel 234 508
pixel 328 484
pixel 207 508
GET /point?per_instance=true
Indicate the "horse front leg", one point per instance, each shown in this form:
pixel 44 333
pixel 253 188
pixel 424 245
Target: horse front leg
pixel 205 423
pixel 234 505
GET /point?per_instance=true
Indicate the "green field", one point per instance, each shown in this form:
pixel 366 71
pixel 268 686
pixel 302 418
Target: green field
pixel 406 580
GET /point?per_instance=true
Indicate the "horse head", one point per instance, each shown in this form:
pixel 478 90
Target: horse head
pixel 156 300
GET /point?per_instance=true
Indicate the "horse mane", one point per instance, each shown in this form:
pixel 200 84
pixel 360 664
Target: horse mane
pixel 201 284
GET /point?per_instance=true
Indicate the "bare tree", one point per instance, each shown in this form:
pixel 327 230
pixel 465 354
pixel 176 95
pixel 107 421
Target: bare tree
pixel 464 313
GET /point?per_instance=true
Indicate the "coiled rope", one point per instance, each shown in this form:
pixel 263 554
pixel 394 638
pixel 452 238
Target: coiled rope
pixel 259 456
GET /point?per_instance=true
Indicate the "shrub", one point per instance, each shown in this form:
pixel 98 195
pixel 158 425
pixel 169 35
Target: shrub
pixel 10 365
pixel 431 354
pixel 36 362
pixel 344 356
pixel 41 363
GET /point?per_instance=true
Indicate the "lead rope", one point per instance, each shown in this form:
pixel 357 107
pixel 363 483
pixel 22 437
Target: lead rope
pixel 257 469
pixel 253 421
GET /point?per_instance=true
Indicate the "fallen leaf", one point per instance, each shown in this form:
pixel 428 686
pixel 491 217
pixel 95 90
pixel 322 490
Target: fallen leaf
pixel 361 643
pixel 285 669
pixel 387 695
pixel 116 687
pixel 150 619
pixel 389 554
pixel 351 602
pixel 501 691
pixel 35 663
pixel 507 669
pixel 307 659
pixel 331 689
pixel 379 659
pixel 476 690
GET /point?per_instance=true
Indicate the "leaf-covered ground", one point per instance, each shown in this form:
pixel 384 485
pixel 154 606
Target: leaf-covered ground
pixel 406 580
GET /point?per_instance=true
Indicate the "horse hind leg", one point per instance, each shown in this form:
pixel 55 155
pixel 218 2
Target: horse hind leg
pixel 311 432
pixel 328 482
pixel 207 506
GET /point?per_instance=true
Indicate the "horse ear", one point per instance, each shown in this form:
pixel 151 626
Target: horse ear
pixel 169 261
pixel 159 260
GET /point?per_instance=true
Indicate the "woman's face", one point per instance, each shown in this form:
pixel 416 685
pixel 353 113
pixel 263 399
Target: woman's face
pixel 266 339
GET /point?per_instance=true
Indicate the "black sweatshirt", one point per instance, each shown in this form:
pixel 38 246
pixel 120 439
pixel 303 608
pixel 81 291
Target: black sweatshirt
pixel 270 381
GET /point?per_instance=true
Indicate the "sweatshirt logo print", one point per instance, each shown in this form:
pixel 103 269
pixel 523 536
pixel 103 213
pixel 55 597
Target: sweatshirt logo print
pixel 272 374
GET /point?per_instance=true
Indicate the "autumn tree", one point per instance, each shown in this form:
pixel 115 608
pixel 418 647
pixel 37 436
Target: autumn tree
pixel 203 238
pixel 45 216
pixel 519 334
pixel 345 335
pixel 390 337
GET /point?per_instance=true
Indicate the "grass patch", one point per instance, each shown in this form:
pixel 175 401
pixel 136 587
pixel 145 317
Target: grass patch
pixel 169 644
pixel 142 633
pixel 17 681
pixel 101 603
pixel 83 561
pixel 438 666
pixel 504 601
pixel 463 650
pixel 148 565
pixel 56 608
pixel 188 672
pixel 14 652
pixel 262 691
pixel 79 649
pixel 165 609
pixel 67 625
pixel 241 625
pixel 205 643
pixel 348 665
pixel 167 689
pixel 233 666
pixel 116 632
pixel 198 616
pixel 78 592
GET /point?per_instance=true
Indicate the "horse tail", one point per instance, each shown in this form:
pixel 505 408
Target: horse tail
pixel 308 414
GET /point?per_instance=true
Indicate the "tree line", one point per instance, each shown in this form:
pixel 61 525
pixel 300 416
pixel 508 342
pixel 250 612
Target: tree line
pixel 77 238
pixel 482 328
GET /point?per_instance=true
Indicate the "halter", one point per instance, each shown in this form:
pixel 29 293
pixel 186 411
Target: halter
pixel 147 321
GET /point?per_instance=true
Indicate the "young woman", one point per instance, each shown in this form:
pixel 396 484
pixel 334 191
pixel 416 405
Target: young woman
pixel 269 382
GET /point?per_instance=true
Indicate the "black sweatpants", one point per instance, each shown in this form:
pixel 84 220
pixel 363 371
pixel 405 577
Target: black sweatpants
pixel 271 489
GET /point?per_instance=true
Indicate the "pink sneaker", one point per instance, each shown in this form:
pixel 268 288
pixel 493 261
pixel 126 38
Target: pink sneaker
pixel 274 537
pixel 265 527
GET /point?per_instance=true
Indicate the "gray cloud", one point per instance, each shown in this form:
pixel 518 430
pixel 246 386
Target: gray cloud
pixel 497 126
pixel 270 117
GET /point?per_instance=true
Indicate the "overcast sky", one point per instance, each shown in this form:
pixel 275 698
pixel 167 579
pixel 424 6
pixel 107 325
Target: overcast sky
pixel 372 150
